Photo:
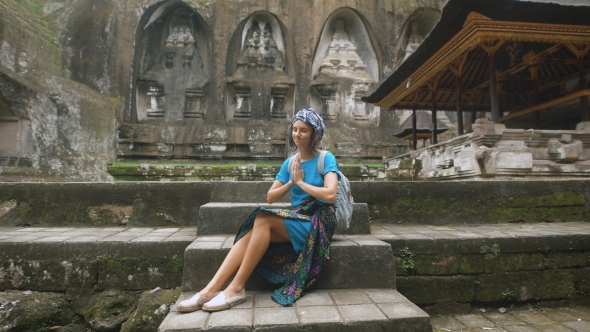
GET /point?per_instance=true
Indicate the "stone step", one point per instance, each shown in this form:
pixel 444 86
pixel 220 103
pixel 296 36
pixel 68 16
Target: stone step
pixel 356 261
pixel 446 268
pixel 320 310
pixel 226 218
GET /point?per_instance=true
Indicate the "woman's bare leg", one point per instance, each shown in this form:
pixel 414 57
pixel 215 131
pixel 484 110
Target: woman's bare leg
pixel 272 229
pixel 267 228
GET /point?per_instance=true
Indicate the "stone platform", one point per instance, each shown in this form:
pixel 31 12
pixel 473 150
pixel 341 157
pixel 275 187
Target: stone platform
pixel 204 256
pixel 226 218
pixel 321 310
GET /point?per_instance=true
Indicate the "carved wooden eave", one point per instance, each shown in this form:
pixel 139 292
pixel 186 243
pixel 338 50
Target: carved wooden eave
pixel 480 30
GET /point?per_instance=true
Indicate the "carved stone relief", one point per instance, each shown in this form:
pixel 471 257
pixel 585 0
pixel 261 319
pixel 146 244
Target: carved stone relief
pixel 415 39
pixel 260 87
pixel 173 78
pixel 343 71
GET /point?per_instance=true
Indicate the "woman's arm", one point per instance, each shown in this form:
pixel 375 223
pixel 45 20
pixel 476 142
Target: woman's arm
pixel 277 191
pixel 327 193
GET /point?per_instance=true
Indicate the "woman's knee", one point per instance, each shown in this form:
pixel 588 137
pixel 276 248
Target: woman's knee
pixel 263 220
pixel 266 220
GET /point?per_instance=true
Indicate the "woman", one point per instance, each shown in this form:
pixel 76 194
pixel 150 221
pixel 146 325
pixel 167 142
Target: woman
pixel 288 247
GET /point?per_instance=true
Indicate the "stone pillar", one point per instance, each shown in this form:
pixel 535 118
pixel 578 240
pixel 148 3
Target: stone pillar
pixel 243 100
pixel 192 106
pixel 327 94
pixel 156 93
pixel 278 99
pixel 360 113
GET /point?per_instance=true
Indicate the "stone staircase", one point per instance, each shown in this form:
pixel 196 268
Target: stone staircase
pixel 455 246
pixel 355 293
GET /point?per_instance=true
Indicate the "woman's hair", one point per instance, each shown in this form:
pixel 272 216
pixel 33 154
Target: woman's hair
pixel 314 144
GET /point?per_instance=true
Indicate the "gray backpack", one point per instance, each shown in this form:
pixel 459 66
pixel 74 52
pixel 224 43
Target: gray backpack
pixel 344 202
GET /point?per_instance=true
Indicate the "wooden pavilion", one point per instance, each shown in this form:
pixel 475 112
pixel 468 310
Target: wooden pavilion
pixel 524 62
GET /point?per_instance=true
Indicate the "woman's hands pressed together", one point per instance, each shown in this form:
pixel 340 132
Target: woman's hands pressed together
pixel 297 171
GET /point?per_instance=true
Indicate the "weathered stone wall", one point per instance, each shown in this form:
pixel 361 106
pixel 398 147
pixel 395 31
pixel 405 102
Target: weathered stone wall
pixel 444 282
pixel 61 129
pixel 155 172
pixel 177 204
pixel 68 56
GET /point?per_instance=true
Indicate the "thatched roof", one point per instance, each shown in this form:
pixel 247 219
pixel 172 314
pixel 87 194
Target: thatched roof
pixel 455 13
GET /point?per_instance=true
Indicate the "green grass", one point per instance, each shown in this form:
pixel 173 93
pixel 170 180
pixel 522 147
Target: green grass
pixel 237 164
pixel 137 164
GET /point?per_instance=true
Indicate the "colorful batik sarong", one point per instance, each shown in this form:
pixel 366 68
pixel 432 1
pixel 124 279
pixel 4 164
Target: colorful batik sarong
pixel 280 264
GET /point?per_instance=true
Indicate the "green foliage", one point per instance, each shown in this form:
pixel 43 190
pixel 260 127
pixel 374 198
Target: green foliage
pixel 490 252
pixel 175 265
pixel 507 294
pixel 408 260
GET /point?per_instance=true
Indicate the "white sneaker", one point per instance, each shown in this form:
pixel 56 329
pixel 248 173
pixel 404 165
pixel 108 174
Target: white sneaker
pixel 194 303
pixel 222 302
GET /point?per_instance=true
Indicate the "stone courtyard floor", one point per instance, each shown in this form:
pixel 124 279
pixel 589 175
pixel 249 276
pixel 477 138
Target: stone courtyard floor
pixel 517 320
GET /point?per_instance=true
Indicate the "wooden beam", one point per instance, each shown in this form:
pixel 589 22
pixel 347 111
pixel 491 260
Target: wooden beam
pixel 548 104
pixel 528 60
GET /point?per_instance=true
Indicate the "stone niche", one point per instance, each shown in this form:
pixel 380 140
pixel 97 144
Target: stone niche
pixel 260 74
pixel 172 66
pixel 14 137
pixel 414 30
pixel 345 66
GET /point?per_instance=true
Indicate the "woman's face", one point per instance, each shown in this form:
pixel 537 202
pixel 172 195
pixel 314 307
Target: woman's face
pixel 301 133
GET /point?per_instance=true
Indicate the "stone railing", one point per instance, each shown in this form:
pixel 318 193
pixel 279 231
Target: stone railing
pixel 492 151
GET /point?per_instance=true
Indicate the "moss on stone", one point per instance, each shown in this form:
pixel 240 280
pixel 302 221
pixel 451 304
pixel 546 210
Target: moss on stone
pixel 538 214
pixel 557 199
pixel 137 274
pixel 433 206
pixel 35 311
pixel 583 281
pixel 176 264
pixel 564 260
pixel 435 289
pixel 525 286
pixel 108 310
pixel 151 310
pixel 510 262
pixel 448 264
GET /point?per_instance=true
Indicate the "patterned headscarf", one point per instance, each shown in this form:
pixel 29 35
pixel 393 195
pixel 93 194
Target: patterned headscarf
pixel 310 117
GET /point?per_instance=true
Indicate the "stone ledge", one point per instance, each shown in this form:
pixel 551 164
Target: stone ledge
pixel 56 259
pixel 204 256
pixel 470 239
pixel 321 310
pixel 226 218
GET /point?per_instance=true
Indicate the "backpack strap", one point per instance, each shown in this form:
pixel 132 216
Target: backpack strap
pixel 291 161
pixel 321 162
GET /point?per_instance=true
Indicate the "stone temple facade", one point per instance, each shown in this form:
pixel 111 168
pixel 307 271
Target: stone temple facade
pixel 88 82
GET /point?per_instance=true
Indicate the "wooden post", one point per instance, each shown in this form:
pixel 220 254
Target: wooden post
pixel 456 67
pixel 583 85
pixel 580 51
pixel 459 108
pixel 494 90
pixel 491 48
pixel 414 129
pixel 432 85
pixel 434 124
